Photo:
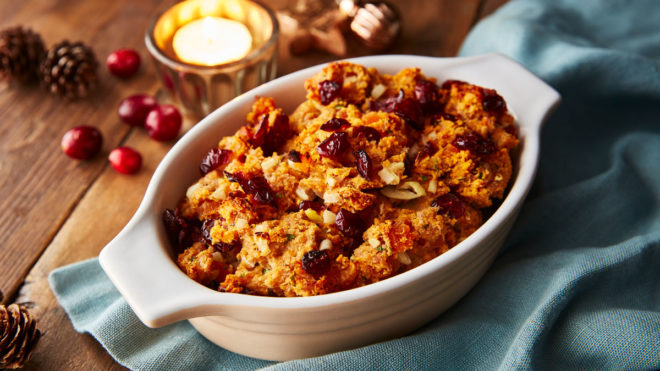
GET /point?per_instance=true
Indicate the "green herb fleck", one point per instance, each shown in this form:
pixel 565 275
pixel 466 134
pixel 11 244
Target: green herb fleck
pixel 380 248
pixel 264 270
pixel 293 278
pixel 191 258
pixel 424 178
pixel 279 195
pixel 480 175
pixel 339 106
pixel 290 236
pixel 426 226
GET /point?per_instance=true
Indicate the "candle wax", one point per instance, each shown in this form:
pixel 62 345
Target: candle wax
pixel 211 41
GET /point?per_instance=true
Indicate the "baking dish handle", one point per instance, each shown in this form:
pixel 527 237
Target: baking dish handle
pixel 147 277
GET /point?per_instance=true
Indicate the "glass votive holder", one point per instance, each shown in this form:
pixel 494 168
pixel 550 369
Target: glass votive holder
pixel 201 88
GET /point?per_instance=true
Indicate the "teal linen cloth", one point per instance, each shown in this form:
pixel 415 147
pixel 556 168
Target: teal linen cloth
pixel 577 284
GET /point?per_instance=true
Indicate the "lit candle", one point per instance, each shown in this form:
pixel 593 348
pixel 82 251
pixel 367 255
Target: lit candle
pixel 211 41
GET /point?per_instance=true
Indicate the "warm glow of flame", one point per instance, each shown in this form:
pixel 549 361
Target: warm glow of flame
pixel 211 41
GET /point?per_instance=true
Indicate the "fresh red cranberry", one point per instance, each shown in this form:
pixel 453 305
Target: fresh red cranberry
pixel 449 204
pixel 82 142
pixel 335 146
pixel 215 158
pixel 218 246
pixel 316 205
pixel 367 132
pixel 474 143
pixel 363 164
pixel 349 223
pixel 428 150
pixel 493 102
pixel 294 155
pixel 125 160
pixel 316 262
pixel 134 109
pixel 163 123
pixel 426 93
pixel 123 62
pixel 335 124
pixel 258 187
pixel 328 91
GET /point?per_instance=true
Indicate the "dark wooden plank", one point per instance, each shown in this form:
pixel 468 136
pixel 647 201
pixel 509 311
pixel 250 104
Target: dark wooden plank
pixel 39 184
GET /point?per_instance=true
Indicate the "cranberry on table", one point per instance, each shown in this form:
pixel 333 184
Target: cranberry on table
pixel 125 160
pixel 163 123
pixel 123 62
pixel 82 142
pixel 133 110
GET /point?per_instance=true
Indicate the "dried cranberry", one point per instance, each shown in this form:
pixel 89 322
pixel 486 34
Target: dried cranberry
pixel 328 91
pixel 350 223
pixel 258 187
pixel 181 232
pixel 407 108
pixel 448 116
pixel 316 205
pixel 335 146
pixel 367 132
pixel 428 150
pixel 215 158
pixel 449 204
pixel 270 139
pixel 511 129
pixel 316 262
pixel 294 155
pixel 260 131
pixel 474 143
pixel 426 93
pixel 335 124
pixel 493 102
pixel 363 163
pixel 206 234
pixel 278 134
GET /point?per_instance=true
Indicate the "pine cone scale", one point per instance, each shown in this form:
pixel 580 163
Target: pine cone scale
pixel 20 53
pixel 18 335
pixel 69 70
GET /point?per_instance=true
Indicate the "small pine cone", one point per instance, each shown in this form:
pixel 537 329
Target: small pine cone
pixel 18 336
pixel 20 53
pixel 69 70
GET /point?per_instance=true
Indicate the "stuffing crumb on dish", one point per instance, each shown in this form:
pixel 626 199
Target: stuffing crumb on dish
pixel 371 176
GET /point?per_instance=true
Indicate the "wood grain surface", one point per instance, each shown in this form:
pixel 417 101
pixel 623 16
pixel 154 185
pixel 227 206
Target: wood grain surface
pixel 57 211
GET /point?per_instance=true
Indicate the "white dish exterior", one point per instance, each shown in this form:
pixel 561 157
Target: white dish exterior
pixel 139 262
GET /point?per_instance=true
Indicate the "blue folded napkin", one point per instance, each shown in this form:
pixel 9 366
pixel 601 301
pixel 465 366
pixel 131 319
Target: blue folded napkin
pixel 577 284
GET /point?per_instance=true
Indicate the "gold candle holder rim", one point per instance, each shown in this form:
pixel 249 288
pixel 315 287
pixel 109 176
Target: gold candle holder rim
pixel 156 51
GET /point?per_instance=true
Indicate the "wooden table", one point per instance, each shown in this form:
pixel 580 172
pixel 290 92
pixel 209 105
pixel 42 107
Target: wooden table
pixel 55 210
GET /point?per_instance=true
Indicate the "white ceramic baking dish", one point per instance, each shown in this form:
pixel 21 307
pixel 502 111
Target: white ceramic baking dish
pixel 140 264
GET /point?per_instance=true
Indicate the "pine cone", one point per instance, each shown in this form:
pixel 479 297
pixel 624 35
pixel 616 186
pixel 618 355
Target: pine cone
pixel 20 53
pixel 18 336
pixel 69 70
